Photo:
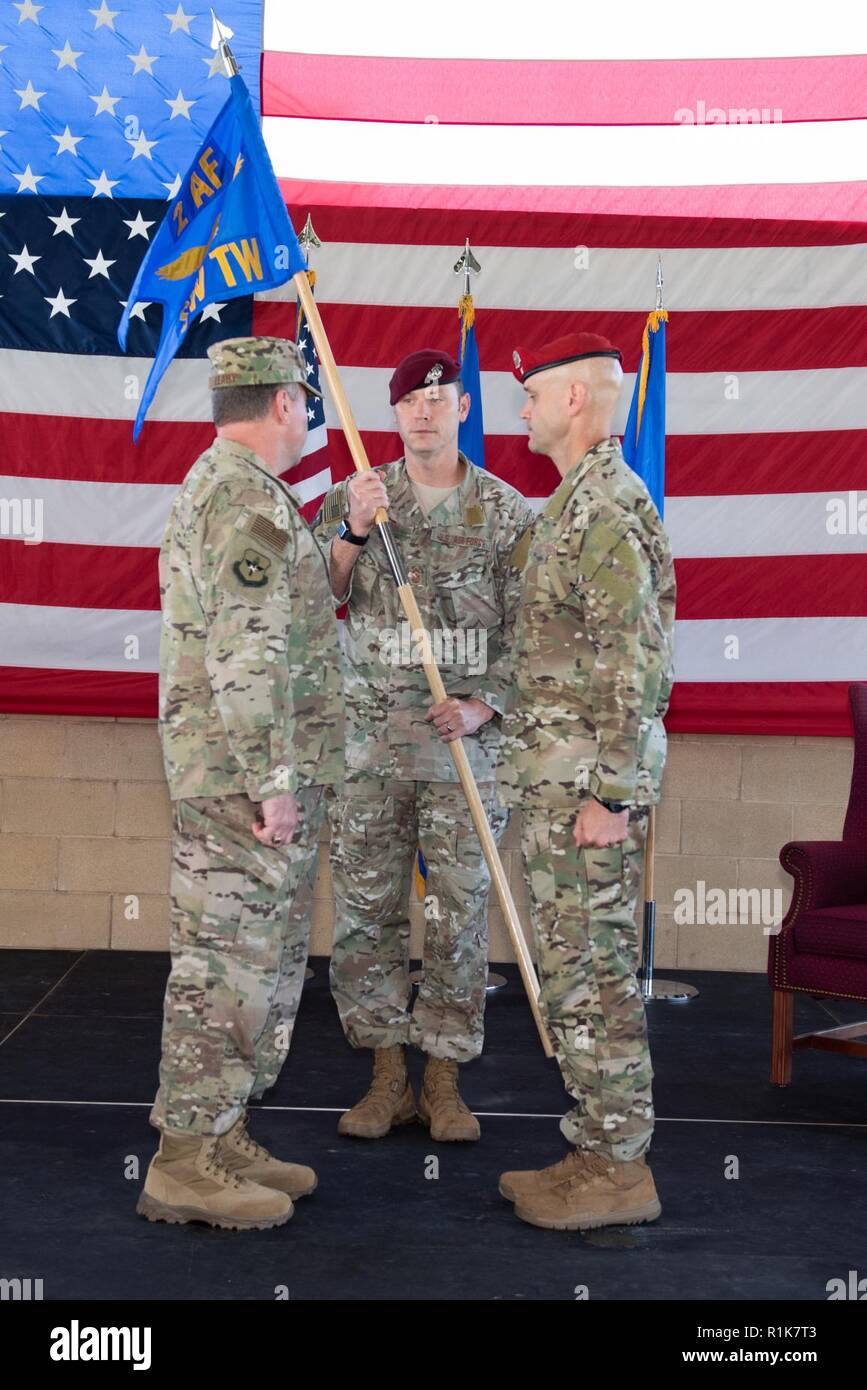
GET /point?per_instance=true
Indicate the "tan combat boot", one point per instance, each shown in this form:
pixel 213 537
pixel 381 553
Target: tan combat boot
pixel 243 1155
pixel 389 1101
pixel 440 1105
pixel 188 1181
pixel 599 1194
pixel 526 1182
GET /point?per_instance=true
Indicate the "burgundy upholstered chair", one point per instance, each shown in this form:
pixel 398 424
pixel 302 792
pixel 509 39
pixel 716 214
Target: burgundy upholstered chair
pixel 821 949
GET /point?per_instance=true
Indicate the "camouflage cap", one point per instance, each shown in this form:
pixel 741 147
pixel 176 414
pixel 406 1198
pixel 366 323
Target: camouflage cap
pixel 258 362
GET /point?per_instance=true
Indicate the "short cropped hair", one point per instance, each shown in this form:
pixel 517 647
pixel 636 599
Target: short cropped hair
pixel 235 404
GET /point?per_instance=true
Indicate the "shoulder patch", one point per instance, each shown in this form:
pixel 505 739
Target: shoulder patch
pixel 263 530
pixel 334 506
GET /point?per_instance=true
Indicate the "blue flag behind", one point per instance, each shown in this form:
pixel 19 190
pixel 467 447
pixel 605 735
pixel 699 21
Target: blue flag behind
pixel 644 437
pixel 471 435
pixel 226 233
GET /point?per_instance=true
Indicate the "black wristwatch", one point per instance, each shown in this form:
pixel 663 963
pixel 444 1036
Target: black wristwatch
pixel 615 807
pixel 345 534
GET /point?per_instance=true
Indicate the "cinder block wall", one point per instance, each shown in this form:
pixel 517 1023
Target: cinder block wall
pixel 84 848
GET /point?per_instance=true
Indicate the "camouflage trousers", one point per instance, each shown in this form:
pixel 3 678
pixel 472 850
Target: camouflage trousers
pixel 376 828
pixel 582 906
pixel 240 933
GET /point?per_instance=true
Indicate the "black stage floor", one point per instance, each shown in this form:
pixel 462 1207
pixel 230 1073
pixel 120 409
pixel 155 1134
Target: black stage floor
pixel 79 1046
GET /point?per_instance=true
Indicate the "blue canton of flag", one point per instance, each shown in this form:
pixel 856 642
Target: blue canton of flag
pixel 226 234
pixel 99 99
pixel 644 437
pixel 91 141
pixel 471 435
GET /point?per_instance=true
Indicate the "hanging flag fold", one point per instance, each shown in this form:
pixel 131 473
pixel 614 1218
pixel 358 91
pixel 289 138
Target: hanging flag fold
pixel 226 233
pixel 471 435
pixel 644 436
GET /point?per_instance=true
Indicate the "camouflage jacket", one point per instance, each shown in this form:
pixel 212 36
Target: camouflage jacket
pixel 593 644
pixel 457 561
pixel 251 696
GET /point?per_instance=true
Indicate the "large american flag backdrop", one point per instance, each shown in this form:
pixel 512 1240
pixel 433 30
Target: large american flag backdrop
pixel 570 177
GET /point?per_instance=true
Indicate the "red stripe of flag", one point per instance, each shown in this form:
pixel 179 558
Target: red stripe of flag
pixel 45 690
pixel 807 708
pixel 81 576
pixel 734 340
pixel 696 465
pixel 772 707
pixel 839 205
pixel 731 587
pixel 524 91
pixel 772 586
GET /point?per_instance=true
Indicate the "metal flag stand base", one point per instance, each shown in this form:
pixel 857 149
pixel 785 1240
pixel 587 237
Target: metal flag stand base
pixel 651 988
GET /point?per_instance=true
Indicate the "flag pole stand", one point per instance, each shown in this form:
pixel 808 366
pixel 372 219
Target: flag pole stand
pixel 652 988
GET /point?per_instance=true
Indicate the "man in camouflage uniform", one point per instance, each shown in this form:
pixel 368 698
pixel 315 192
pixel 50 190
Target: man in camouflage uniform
pixel 251 720
pixel 583 754
pixel 456 526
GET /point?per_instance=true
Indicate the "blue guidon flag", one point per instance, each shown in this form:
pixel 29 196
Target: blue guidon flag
pixel 226 234
pixel 644 436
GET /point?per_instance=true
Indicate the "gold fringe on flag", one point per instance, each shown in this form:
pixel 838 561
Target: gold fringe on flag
pixel 467 314
pixel 654 319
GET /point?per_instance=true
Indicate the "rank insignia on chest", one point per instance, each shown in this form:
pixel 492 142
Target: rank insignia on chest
pixel 252 569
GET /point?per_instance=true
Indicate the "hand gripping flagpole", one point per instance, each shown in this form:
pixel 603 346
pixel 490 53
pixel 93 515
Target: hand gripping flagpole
pixel 652 988
pixel 420 634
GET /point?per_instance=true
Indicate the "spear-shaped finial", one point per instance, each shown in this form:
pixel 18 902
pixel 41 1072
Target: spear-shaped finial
pixel 468 264
pixel 220 35
pixel 659 303
pixel 308 239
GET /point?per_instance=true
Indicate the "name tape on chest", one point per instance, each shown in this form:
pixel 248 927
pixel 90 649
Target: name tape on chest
pixel 444 538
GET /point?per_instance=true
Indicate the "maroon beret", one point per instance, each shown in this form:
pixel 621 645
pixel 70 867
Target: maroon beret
pixel 430 367
pixel 573 347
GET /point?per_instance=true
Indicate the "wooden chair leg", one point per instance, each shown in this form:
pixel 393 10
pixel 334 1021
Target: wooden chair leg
pixel 782 1033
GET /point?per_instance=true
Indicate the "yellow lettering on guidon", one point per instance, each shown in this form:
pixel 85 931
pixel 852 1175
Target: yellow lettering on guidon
pixel 199 190
pixel 220 254
pixel 197 293
pixel 209 167
pixel 247 256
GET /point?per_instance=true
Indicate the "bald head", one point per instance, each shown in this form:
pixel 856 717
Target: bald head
pixel 571 407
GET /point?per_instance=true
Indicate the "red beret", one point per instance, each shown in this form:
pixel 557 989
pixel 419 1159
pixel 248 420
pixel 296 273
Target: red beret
pixel 430 367
pixel 574 347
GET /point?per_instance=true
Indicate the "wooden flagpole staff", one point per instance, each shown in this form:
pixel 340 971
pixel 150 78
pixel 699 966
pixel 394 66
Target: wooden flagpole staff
pixel 420 634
